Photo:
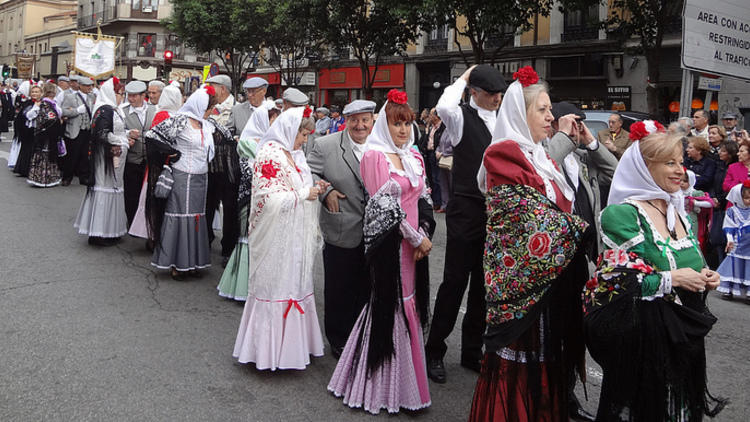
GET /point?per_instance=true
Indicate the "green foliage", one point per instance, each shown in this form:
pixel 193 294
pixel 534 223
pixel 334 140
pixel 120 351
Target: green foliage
pixel 645 19
pixel 371 29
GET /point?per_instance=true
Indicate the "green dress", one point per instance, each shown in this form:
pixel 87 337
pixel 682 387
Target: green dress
pixel 647 336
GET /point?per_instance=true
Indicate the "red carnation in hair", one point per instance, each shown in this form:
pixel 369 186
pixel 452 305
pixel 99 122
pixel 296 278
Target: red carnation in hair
pixel 115 81
pixel 396 96
pixel 210 90
pixel 746 184
pixel 640 130
pixel 526 75
pixel 307 112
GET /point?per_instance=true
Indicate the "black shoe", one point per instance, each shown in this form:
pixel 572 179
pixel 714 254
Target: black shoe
pixel 102 241
pixel 726 296
pixel 436 370
pixel 224 261
pixel 471 363
pixel 336 351
pixel 178 275
pixel 577 413
pixel 65 182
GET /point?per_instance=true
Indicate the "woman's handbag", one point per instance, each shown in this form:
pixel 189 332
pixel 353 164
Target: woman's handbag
pixel 446 163
pixel 164 183
pixel 62 150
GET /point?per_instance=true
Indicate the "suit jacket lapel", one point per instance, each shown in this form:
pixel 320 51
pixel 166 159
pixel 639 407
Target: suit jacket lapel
pixel 348 155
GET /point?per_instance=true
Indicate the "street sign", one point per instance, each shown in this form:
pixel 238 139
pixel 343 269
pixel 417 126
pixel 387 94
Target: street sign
pixel 716 37
pixel 213 70
pixel 709 84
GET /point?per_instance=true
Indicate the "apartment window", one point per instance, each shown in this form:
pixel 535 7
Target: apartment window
pixel 175 45
pixel 45 46
pixel 146 6
pixel 146 45
pixel 439 33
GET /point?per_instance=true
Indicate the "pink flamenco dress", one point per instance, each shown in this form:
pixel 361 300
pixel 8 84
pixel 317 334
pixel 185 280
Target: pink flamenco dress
pixel 383 363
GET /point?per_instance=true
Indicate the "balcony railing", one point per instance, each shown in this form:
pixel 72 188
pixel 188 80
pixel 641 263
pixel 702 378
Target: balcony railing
pixel 107 14
pixel 580 33
pixel 499 40
pixel 436 45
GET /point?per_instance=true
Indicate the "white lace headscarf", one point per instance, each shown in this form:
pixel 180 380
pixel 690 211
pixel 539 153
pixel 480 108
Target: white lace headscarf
pixel 196 105
pixel 633 180
pixel 284 131
pixel 512 125
pixel 380 140
pixel 258 124
pixel 170 99
pixel 107 96
pixel 735 196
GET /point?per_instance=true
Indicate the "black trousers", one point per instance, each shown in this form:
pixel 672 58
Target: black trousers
pixel 132 183
pixel 465 223
pixel 220 190
pixel 346 291
pixel 75 163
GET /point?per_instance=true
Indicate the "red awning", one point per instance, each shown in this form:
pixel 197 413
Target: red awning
pixel 273 78
pixel 388 76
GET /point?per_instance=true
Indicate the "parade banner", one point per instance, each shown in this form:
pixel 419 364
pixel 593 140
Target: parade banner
pixel 94 55
pixel 25 66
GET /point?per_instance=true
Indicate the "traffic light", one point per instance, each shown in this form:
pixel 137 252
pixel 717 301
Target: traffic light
pixel 6 71
pixel 168 55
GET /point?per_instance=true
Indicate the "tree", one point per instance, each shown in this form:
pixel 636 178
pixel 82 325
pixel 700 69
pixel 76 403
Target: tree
pixel 290 36
pixel 489 26
pixel 647 20
pixel 372 30
pixel 212 26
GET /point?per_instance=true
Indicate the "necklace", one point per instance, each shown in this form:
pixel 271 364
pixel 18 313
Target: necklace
pixel 672 232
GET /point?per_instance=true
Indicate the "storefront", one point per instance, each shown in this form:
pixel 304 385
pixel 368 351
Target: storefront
pixel 274 82
pixel 342 85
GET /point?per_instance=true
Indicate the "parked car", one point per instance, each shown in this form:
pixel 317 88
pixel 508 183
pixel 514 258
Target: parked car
pixel 596 120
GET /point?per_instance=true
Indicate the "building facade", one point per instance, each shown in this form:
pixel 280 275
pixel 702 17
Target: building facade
pixel 140 55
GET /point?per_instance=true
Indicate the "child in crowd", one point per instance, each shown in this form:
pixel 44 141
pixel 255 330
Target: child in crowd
pixel 699 208
pixel 735 269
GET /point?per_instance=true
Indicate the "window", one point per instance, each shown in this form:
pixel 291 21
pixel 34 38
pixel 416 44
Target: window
pixel 146 45
pixel 174 44
pixel 146 6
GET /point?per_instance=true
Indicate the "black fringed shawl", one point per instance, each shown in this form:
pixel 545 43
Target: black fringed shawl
pixel 160 151
pixel 48 129
pixel 101 126
pixel 383 216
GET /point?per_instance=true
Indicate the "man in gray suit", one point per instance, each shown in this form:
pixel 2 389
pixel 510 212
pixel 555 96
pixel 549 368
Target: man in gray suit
pixel 76 110
pixel 335 158
pixel 138 117
pixel 255 89
pixel 587 166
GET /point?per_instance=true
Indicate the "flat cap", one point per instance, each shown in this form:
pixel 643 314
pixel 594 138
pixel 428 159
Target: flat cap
pixel 134 87
pixel 728 115
pixel 487 78
pixel 63 78
pixel 82 80
pixel 295 97
pixel 564 108
pixel 254 82
pixel 73 78
pixel 278 101
pixel 221 80
pixel 323 110
pixel 359 106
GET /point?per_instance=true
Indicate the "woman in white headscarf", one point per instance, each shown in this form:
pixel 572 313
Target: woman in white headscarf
pixel 382 365
pixel 170 102
pixel 185 143
pixel 533 340
pixel 29 95
pixel 233 283
pixel 645 314
pixel 102 212
pixel 279 326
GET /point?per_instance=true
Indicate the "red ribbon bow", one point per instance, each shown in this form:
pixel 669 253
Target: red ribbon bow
pixel 294 303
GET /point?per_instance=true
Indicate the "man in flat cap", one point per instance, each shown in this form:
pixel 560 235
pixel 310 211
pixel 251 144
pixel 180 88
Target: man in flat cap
pixel 469 127
pixel 63 82
pixel 336 119
pixel 155 88
pixel 223 173
pixel 588 168
pixel 138 117
pixel 76 110
pixel 293 97
pixel 255 90
pixel 729 121
pixel 335 158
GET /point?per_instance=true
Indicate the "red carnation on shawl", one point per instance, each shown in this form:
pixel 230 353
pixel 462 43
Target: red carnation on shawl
pixel 211 91
pixel 396 96
pixel 307 112
pixel 526 75
pixel 746 184
pixel 640 130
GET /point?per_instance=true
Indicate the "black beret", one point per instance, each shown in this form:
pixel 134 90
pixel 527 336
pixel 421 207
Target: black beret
pixel 487 78
pixel 564 108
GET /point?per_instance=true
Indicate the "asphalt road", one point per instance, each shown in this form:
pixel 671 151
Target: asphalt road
pixel 97 334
